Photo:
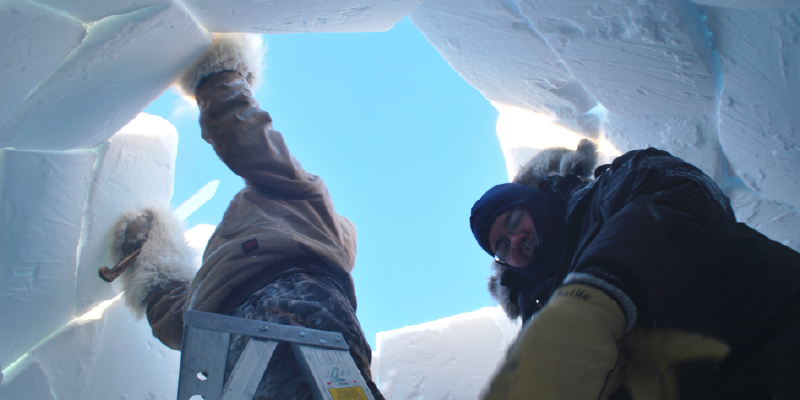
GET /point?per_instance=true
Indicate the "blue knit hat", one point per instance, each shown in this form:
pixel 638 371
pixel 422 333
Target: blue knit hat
pixel 548 213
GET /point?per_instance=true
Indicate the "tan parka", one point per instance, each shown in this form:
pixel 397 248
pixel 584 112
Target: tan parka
pixel 283 214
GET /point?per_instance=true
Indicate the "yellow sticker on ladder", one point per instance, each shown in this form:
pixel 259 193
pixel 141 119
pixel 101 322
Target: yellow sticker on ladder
pixel 349 393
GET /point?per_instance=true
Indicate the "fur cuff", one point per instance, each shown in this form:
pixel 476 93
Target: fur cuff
pixel 165 258
pixel 625 302
pixel 238 52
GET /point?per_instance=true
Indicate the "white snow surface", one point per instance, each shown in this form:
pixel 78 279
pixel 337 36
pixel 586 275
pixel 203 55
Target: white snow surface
pixel 775 220
pixel 31 384
pixel 716 82
pixel 197 239
pixel 42 196
pixel 759 122
pixel 634 57
pixel 451 358
pixel 135 168
pixel 692 137
pixel 95 10
pixel 523 134
pixel 290 16
pixel 109 355
pixel 197 200
pixel 125 62
pixel 34 40
pixel 496 50
pixel 750 4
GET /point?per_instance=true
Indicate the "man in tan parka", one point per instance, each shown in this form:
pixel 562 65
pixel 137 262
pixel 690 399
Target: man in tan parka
pixel 281 253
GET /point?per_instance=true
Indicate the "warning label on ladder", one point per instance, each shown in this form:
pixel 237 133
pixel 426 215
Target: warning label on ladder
pixel 349 393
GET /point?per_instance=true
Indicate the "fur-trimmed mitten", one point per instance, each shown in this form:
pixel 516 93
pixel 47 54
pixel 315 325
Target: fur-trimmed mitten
pixel 165 257
pixel 238 52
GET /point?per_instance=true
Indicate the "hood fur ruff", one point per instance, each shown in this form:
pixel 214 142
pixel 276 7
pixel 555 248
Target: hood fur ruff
pixel 553 161
pixel 238 52
pixel 165 258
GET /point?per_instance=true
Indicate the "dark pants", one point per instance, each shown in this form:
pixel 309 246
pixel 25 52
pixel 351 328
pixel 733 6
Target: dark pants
pixel 316 302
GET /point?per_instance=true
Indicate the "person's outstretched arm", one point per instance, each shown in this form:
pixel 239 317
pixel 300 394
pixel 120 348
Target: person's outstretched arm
pixel 232 122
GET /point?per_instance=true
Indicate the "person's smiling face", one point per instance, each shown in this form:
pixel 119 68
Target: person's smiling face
pixel 512 238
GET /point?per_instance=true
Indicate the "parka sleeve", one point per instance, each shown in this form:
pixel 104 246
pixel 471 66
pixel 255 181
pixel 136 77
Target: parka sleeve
pixel 665 225
pixel 165 309
pixel 242 136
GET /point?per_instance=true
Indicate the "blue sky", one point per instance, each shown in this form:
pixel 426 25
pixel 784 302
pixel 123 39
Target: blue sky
pixel 405 147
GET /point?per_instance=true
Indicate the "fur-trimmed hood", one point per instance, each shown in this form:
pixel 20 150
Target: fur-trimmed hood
pixel 556 161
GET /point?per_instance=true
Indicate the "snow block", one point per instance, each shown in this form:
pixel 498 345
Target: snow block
pixel 111 357
pixel 523 134
pixel 34 40
pixel 135 169
pixel 587 125
pixel 691 137
pixel 95 10
pixel 289 16
pixel 497 51
pixel 31 384
pixel 42 196
pixel 68 358
pixel 197 238
pixel 451 358
pixel 634 57
pixel 775 220
pixel 124 63
pixel 749 4
pixel 758 114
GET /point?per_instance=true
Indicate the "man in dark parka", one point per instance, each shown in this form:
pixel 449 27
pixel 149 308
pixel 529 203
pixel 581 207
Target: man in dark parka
pixel 640 283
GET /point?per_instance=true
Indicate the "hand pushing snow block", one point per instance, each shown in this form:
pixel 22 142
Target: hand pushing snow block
pixel 95 10
pixel 288 16
pixel 34 40
pixel 125 62
pixel 42 196
pixel 497 51
pixel 749 4
pixel 758 110
pixel 691 137
pixel 452 358
pixel 634 57
pixel 135 169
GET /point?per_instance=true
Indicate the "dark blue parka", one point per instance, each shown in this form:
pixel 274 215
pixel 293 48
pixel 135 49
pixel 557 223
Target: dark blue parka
pixel 662 232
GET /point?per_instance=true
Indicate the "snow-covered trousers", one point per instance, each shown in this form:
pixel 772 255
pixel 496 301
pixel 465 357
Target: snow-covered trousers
pixel 312 301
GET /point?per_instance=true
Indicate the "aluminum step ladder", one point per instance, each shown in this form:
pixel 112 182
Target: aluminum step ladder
pixel 323 356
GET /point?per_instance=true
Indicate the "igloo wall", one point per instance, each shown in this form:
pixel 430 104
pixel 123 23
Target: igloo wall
pixel 716 82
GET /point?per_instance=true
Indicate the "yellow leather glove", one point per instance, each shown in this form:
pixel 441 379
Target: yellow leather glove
pixel 568 351
pixel 652 356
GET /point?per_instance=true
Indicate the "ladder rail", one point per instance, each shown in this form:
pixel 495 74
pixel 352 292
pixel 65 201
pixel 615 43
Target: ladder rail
pixel 323 356
pixel 263 330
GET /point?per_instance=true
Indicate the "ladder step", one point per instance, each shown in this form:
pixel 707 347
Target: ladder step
pixel 243 381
